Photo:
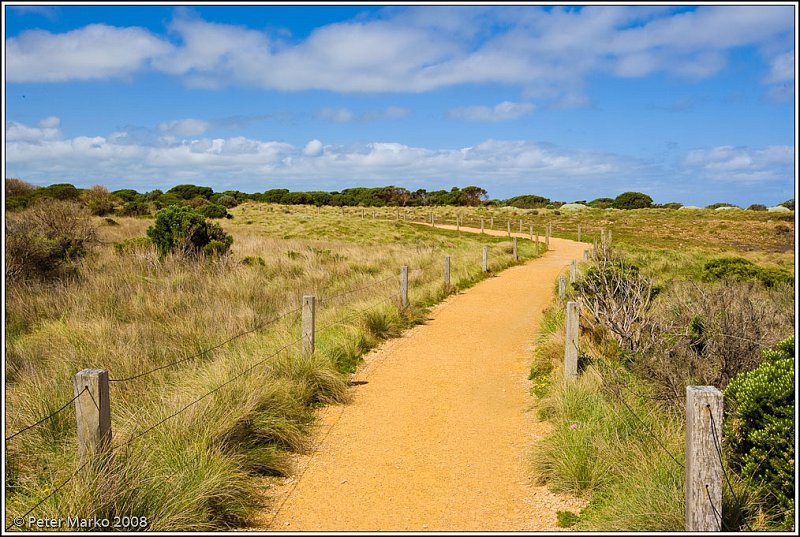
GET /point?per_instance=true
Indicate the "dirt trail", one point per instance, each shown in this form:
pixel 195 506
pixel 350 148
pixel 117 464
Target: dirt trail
pixel 438 437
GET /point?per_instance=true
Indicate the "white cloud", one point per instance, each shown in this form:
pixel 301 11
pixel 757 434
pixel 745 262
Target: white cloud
pixel 420 49
pixel 118 160
pixel 338 115
pixel 313 148
pixel 185 127
pixel 744 164
pixel 781 68
pixel 501 112
pixel 46 129
pixel 92 52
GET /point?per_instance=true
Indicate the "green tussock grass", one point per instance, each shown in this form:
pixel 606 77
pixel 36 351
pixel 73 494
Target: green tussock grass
pixel 129 311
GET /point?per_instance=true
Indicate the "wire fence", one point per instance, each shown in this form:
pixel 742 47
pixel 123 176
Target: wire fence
pixel 137 435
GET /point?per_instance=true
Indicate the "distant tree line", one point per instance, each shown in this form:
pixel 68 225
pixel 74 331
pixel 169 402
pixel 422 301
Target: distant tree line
pixel 128 202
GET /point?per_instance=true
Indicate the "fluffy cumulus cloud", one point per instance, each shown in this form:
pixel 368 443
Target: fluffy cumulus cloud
pixel 96 51
pixel 501 112
pixel 417 49
pixel 742 164
pixel 46 129
pixel 119 159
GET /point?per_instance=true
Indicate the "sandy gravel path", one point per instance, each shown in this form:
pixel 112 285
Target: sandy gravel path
pixel 438 437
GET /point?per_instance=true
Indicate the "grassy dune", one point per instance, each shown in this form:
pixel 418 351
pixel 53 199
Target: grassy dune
pixel 132 313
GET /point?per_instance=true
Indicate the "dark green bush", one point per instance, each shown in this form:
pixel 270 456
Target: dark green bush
pixel 789 204
pixel 718 205
pixel 760 425
pixel 226 201
pixel 742 269
pixel 757 207
pixel 135 208
pixel 212 210
pixel 180 229
pixel 632 200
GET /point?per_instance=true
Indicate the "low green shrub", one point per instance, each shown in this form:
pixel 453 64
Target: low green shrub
pixel 135 208
pixel 180 229
pixel 132 244
pixel 760 425
pixel 254 261
pixel 212 210
pixel 742 269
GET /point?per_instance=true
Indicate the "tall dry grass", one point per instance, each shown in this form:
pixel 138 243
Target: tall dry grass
pixel 223 416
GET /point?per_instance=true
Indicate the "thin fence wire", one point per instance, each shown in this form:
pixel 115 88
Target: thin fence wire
pixel 717 514
pixel 59 487
pixel 647 428
pixel 31 426
pixel 197 400
pixel 135 437
pixel 345 319
pixel 718 449
pixel 258 327
pixel 351 291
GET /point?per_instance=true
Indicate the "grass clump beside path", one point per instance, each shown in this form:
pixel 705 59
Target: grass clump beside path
pixel 189 438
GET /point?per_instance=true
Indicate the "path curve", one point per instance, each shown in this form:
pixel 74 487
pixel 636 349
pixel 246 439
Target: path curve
pixel 437 439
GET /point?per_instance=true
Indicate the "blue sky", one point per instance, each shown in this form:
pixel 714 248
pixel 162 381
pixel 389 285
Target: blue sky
pixel 688 104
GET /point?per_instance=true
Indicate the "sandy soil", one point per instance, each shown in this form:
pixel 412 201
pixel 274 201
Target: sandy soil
pixel 438 438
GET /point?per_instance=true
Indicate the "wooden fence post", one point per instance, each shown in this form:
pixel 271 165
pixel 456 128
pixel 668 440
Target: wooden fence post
pixel 571 341
pixel 531 231
pixel 586 255
pixel 579 233
pixel 92 412
pixel 703 465
pixel 481 225
pixel 485 265
pixel 309 314
pixel 404 286
pixel 509 228
pixel 516 254
pixel 572 271
pixel 520 225
pixel 491 223
pixel 447 271
pixel 547 236
pixel 562 286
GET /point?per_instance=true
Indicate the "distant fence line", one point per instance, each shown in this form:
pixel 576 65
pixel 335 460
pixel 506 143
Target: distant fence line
pixel 93 415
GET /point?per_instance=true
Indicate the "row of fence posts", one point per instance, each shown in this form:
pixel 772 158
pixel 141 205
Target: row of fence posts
pixel 93 414
pixel 703 467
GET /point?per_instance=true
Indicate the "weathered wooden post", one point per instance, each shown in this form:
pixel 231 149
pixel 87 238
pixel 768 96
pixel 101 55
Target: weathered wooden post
pixel 404 286
pixel 531 231
pixel 485 266
pixel 547 236
pixel 447 271
pixel 572 271
pixel 579 233
pixel 703 465
pixel 481 225
pixel 516 255
pixel 491 223
pixel 520 225
pixel 309 314
pixel 508 233
pixel 586 255
pixel 537 242
pixel 92 412
pixel 562 286
pixel 571 341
